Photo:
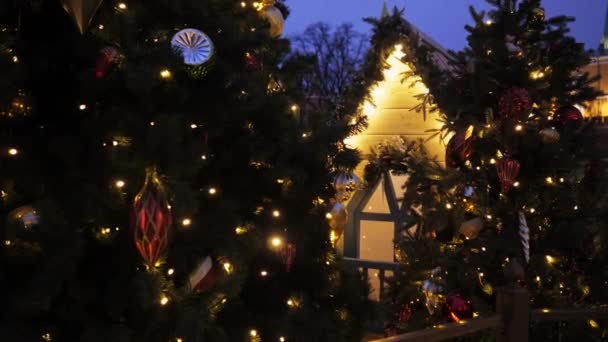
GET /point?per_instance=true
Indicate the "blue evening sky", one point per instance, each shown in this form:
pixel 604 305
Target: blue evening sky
pixel 443 20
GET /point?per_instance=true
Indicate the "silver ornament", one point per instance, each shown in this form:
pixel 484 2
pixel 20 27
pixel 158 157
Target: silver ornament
pixel 195 47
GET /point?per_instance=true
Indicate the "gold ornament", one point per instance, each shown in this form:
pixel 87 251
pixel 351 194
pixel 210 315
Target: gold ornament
pixel 274 16
pixel 82 11
pixel 549 135
pixel 337 217
pixel 345 185
pixel 470 229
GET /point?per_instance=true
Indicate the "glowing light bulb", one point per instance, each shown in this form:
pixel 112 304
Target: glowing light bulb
pixel 164 300
pixel 227 267
pixel 212 191
pixel 186 222
pixel 204 157
pixel 193 126
pixel 516 184
pixel 114 143
pixel 101 27
pixel 165 74
pixel 264 273
pixel 276 241
pixel 240 230
pixel 276 213
pixel 82 106
pixel 489 22
pixel 294 108
pixel 550 259
pixel 519 128
pixel 120 184
pixel 13 151
pixel 243 4
pixel 152 123
pixel 170 271
pixel 281 339
pixel 253 333
pixel 448 206
pixel 549 180
pixel 492 161
pixel 290 302
pixel 122 6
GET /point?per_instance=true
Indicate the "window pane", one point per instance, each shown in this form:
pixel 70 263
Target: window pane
pixel 378 202
pixel 376 240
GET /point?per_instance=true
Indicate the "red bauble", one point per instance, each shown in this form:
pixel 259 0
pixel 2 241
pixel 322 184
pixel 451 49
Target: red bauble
pixel 457 308
pixel 568 115
pixel 204 276
pixel 459 148
pixel 507 170
pixel 288 253
pixel 405 313
pixel 515 104
pixel 151 220
pixel 109 57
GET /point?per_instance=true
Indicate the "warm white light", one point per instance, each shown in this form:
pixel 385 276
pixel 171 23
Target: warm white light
pixel 532 210
pixel 519 128
pixel 114 143
pixel 122 6
pixel 264 273
pixel 448 206
pixel 576 207
pixel 549 180
pixel 516 184
pixel 15 59
pixel 120 184
pixel 294 108
pixel 290 302
pixel 212 191
pixel 281 339
pixel 165 74
pixel 82 106
pixel 492 161
pixel 193 126
pixel 227 267
pixel 164 300
pixel 13 151
pixel 276 213
pixel 489 22
pixel 253 333
pixel 186 222
pixel 204 157
pixel 152 123
pixel 101 27
pixel 170 271
pixel 550 259
pixel 276 241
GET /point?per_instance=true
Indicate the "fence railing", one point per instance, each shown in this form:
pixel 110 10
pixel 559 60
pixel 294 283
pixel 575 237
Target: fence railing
pixel 511 320
pixel 377 269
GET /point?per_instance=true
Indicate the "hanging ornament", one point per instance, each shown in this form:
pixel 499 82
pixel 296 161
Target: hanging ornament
pixel 24 216
pixel 152 219
pixel 507 170
pixel 568 116
pixel 471 228
pixel 288 254
pixel 459 148
pixel 274 17
pixel 337 217
pixel 253 62
pixel 19 106
pixel 204 276
pixel 457 308
pixel 109 58
pixel 405 313
pixel 549 135
pixel 512 48
pixel 433 290
pixel 345 184
pixel 82 11
pixel 524 235
pixel 193 45
pixel 515 104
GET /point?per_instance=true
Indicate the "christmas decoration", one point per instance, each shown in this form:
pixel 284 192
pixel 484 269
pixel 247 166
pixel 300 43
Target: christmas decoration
pixel 26 216
pixel 513 49
pixel 253 62
pixel 288 253
pixel 538 15
pixel 204 276
pixel 338 217
pixel 515 104
pixel 405 313
pixel 433 291
pixel 471 228
pixel 568 116
pixel 81 11
pixel 457 308
pixel 549 135
pixel 459 148
pixel 152 219
pixel 19 106
pixel 109 57
pixel 274 16
pixel 193 45
pixel 524 235
pixel 507 170
pixel 345 184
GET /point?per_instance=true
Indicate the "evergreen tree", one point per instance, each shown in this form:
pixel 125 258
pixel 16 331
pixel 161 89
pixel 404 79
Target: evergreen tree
pixel 85 115
pixel 521 197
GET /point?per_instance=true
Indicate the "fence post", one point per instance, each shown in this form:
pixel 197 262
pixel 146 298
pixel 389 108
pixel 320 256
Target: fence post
pixel 513 305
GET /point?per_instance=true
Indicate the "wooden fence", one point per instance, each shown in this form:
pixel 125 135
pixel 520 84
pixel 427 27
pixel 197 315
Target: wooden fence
pixel 511 320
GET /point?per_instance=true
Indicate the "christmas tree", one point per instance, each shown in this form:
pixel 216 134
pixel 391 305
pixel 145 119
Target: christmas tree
pixel 520 198
pixel 157 181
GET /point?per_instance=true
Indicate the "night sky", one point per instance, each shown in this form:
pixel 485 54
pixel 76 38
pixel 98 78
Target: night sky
pixel 443 20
